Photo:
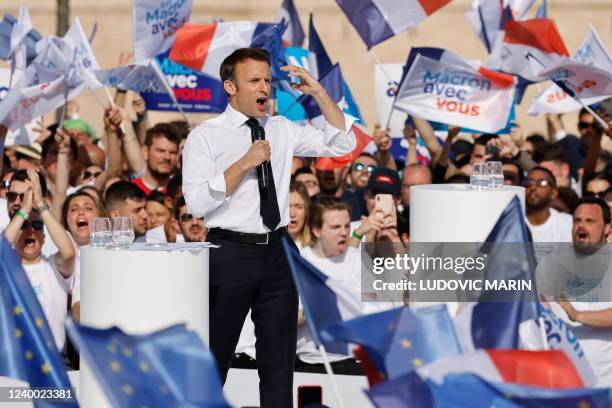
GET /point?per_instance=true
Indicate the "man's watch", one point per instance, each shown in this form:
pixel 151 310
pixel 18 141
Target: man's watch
pixel 42 208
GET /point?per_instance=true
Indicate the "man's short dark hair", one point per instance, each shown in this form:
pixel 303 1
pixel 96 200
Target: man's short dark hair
pixel 164 130
pixel 121 191
pixel 180 128
pixel 605 210
pixel 550 152
pixel 301 170
pixel 22 175
pixel 228 66
pixel 536 140
pixel 484 139
pixel 551 177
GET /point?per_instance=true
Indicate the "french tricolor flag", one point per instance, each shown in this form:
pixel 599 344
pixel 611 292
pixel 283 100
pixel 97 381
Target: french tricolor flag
pixel 203 47
pixel 378 20
pixel 538 36
pixel 549 369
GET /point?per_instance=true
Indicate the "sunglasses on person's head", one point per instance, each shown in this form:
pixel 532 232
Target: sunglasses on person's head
pixel 361 166
pixel 538 183
pixel 12 196
pixel 87 174
pixel 36 224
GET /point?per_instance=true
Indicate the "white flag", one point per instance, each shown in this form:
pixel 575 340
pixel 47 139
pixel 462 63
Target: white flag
pixel 139 77
pixel 457 95
pixel 553 99
pixel 155 23
pixel 20 31
pixel 85 58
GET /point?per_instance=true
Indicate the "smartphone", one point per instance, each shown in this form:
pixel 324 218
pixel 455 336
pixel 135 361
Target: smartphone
pixel 384 203
pixel 309 394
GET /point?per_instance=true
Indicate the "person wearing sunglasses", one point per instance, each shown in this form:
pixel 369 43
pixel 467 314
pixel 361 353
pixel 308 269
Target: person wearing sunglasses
pixel 90 175
pixel 597 186
pixel 357 178
pixel 50 277
pixel 545 223
pixel 193 229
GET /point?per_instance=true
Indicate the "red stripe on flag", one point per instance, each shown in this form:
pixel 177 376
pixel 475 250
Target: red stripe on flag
pixel 431 6
pixel 191 45
pixel 332 163
pixel 498 78
pixel 549 369
pixel 540 33
pixel 374 376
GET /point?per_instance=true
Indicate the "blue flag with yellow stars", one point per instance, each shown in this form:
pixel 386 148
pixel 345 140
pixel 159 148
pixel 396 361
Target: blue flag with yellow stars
pixel 398 341
pixel 168 368
pixel 27 346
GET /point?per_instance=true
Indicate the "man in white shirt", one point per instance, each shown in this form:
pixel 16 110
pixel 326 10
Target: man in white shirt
pixel 236 173
pixel 545 223
pixel 586 278
pixel 51 277
pixel 330 220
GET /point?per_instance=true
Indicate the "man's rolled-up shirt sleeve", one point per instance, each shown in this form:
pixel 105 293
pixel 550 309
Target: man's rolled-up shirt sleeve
pixel 329 142
pixel 203 188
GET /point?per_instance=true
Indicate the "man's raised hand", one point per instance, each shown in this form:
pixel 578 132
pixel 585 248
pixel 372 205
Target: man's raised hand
pixel 308 84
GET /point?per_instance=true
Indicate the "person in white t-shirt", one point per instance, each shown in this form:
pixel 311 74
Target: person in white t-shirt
pixel 545 223
pixel 330 219
pixel 51 277
pixel 587 285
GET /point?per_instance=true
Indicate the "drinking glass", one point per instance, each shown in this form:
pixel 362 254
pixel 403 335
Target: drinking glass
pixel 101 232
pixel 479 180
pixel 123 232
pixel 496 174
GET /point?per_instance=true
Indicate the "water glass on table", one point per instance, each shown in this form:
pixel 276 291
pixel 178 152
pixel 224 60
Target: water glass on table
pixel 496 174
pixel 479 180
pixel 123 232
pixel 101 232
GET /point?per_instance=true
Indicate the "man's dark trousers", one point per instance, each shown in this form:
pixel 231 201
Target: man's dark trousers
pixel 257 277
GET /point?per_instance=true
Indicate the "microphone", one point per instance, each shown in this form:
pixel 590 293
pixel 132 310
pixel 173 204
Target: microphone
pixel 262 169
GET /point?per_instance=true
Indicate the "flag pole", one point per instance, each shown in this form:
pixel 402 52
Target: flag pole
pixel 162 78
pixel 97 98
pixel 329 371
pixel 112 103
pixel 377 60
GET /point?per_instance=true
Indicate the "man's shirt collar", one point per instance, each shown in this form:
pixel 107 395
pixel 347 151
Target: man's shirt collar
pixel 237 119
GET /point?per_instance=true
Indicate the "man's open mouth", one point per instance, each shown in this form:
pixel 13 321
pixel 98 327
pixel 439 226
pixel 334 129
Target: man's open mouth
pixel 261 102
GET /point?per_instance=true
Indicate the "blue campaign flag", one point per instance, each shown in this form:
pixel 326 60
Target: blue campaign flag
pixel 194 91
pixel 168 368
pixel 28 349
pixel 495 324
pixel 398 341
pixel 333 83
pixel 6 27
pixel 325 300
pixel 317 49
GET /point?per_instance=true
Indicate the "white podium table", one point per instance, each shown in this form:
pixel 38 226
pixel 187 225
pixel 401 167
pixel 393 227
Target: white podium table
pixel 457 213
pixel 140 290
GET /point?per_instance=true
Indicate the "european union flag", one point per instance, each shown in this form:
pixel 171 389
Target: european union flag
pixel 27 346
pixel 398 341
pixel 167 368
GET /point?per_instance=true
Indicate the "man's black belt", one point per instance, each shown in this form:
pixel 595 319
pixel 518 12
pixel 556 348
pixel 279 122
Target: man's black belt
pixel 246 237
